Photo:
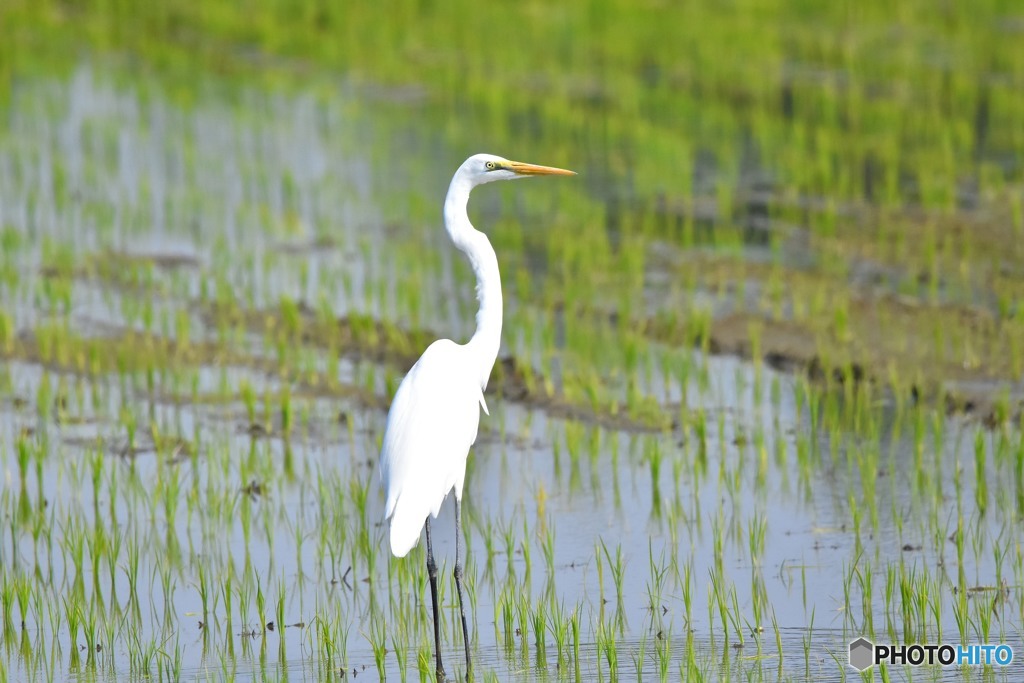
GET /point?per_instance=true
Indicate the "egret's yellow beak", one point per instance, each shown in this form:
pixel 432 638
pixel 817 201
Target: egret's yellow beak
pixel 532 169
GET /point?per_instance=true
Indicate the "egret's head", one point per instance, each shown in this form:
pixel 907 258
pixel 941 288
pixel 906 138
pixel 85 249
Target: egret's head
pixel 486 168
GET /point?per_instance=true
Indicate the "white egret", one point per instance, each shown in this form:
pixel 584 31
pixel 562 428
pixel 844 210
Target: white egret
pixel 436 411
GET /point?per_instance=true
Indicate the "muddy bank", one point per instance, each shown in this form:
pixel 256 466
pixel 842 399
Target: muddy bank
pixel 790 347
pixel 872 350
pixel 359 337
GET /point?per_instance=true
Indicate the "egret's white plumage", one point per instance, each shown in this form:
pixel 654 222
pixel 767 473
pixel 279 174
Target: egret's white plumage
pixel 435 414
pixel 432 423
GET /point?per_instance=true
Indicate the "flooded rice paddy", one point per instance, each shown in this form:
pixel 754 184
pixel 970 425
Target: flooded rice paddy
pixel 205 311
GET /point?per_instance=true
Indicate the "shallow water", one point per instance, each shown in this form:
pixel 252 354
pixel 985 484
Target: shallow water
pixel 751 513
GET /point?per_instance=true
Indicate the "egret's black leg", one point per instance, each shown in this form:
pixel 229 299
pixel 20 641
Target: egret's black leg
pixel 458 584
pixel 432 572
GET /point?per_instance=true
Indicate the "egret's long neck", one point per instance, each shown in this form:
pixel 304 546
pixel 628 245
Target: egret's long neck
pixel 477 248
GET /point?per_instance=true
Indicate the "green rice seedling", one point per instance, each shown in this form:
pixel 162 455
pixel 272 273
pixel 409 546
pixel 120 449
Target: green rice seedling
pixel 728 613
pixel 524 550
pixel 653 456
pixel 700 433
pixel 617 565
pixel 718 542
pixel 24 457
pixel 808 635
pixel 90 631
pixel 507 603
pixel 425 663
pixel 268 409
pixel 934 601
pixel 490 534
pixel 321 636
pixel 248 395
pixel 73 617
pixel 286 410
pixel 891 580
pixel 401 655
pixel 909 596
pixel 778 643
pixel 656 583
pixel 7 593
pixel 339 641
pixel 167 584
pixel 228 592
pixel 558 624
pixel 985 612
pixel 663 652
pixel 470 586
pixel 173 662
pixel 639 656
pixel 142 657
pixel 757 530
pixel 359 492
pixel 548 548
pixel 574 624
pixel 27 591
pixel 606 645
pixel 980 466
pixel 261 605
pixel 539 621
pixel 759 601
pixel 961 614
pixel 684 581
pixel 524 611
pixel 735 615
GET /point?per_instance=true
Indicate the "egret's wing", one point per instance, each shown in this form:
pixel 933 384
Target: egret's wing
pixel 431 425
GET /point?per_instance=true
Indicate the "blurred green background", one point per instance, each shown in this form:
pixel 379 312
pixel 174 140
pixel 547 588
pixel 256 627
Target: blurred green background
pixel 858 164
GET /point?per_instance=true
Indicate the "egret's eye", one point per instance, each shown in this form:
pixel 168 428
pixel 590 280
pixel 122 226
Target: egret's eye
pixel 491 165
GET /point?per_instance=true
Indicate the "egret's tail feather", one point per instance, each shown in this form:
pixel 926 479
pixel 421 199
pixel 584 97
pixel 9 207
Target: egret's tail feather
pixel 405 530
